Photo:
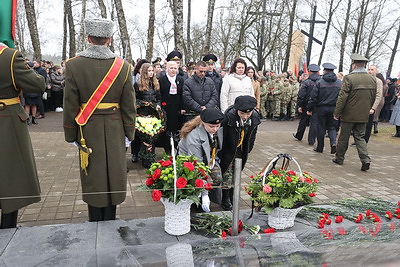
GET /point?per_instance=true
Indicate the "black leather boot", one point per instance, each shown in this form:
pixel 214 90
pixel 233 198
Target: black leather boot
pixel 375 127
pixel 34 120
pixel 226 203
pixel 397 132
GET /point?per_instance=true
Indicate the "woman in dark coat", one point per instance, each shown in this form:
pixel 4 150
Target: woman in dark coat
pixel 147 89
pixel 171 88
pixel 240 129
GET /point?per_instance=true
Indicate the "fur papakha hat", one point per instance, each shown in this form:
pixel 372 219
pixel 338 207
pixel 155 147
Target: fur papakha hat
pixel 99 27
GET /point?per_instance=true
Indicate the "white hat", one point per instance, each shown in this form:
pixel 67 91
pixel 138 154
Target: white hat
pixel 99 27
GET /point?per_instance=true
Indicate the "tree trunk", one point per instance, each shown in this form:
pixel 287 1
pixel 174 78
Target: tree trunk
pixel 33 30
pixel 65 36
pixel 177 13
pixel 71 29
pixel 150 30
pixel 360 26
pixel 290 33
pixel 210 13
pixel 394 50
pixel 344 36
pixel 103 9
pixel 188 44
pixel 126 43
pixel 82 39
pixel 329 21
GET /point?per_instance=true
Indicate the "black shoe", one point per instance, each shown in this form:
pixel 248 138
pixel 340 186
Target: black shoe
pixel 34 121
pixel 276 119
pixel 294 135
pixel 28 121
pixel 134 158
pixel 337 162
pixel 291 118
pixel 353 144
pixel 316 150
pixel 226 203
pixel 365 166
pixel 333 149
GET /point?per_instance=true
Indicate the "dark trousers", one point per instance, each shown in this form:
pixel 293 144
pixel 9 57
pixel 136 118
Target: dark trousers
pixel 368 127
pixel 102 214
pixel 303 123
pixel 57 97
pixel 343 141
pixel 40 106
pixel 325 122
pixel 9 220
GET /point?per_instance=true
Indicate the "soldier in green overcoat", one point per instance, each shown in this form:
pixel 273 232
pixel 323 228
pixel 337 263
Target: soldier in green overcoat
pixel 19 185
pixel 104 179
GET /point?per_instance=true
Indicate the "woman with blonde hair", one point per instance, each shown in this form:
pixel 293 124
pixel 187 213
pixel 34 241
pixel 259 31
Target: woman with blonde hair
pixel 147 89
pixel 202 137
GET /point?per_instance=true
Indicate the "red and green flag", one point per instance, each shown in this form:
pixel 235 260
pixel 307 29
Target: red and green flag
pixel 8 11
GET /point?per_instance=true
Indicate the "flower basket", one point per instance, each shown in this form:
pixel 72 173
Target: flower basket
pixel 280 218
pixel 279 191
pixel 177 216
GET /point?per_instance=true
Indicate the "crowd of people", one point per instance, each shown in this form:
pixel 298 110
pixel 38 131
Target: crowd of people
pixel 209 113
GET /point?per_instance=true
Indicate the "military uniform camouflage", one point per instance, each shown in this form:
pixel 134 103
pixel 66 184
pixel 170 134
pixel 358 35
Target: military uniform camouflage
pixel 277 91
pixel 263 100
pixel 293 97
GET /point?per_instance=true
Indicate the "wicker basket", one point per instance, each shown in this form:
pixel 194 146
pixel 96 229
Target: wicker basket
pixel 280 218
pixel 177 216
pixel 179 255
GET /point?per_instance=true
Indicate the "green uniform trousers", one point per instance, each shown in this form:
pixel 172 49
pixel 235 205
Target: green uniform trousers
pixel 343 141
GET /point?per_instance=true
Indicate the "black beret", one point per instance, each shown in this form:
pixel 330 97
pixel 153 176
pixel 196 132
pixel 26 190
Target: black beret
pixel 157 61
pixel 328 66
pixel 211 115
pixel 174 55
pixel 210 58
pixel 245 103
pixel 313 67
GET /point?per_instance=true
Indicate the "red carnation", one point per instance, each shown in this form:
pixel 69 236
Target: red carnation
pixel 188 165
pixel 312 194
pixel 325 215
pixel 339 219
pixel 321 225
pixel 208 186
pixel 240 226
pixel 316 181
pixel 291 172
pixel 368 213
pixel 269 230
pixel 223 234
pixel 199 183
pixel 156 174
pixel 166 163
pixel 149 182
pixel 163 104
pixel 288 179
pixel 398 203
pixel 389 215
pixel 156 195
pixel 328 221
pixel 275 172
pixel 308 180
pixel 181 182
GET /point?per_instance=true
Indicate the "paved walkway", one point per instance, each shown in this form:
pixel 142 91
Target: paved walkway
pixel 58 168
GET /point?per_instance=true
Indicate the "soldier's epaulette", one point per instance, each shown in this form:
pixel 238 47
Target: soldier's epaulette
pixel 71 58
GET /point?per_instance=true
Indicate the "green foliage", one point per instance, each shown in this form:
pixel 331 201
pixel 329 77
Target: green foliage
pixel 285 189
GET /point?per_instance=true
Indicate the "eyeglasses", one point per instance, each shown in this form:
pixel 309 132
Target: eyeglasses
pixel 202 71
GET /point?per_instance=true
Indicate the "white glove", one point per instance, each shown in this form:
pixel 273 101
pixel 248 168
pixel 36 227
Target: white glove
pixel 127 142
pixel 73 143
pixel 205 203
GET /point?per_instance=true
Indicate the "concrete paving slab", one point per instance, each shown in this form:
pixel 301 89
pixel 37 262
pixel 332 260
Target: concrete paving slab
pixel 5 238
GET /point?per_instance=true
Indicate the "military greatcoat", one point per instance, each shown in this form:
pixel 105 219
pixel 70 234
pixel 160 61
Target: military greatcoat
pixel 18 174
pixel 106 129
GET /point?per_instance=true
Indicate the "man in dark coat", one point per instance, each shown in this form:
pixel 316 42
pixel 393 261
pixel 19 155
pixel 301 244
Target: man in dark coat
pixel 109 124
pixel 199 92
pixel 353 106
pixel 323 100
pixel 240 129
pixel 210 59
pixel 302 100
pixel 19 184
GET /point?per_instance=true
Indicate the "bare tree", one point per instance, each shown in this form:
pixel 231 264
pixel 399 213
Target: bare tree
pixel 103 9
pixel 362 13
pixel 177 13
pixel 125 41
pixel 82 40
pixel 188 43
pixel 65 36
pixel 332 9
pixel 290 32
pixel 33 29
pixel 150 30
pixel 210 13
pixel 71 28
pixel 394 51
pixel 344 35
